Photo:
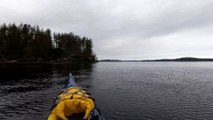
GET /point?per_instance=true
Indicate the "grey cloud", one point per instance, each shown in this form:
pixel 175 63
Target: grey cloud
pixel 120 29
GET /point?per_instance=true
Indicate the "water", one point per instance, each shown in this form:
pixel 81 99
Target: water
pixel 123 90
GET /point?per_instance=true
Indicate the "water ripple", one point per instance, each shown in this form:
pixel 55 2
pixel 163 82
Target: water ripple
pixel 123 91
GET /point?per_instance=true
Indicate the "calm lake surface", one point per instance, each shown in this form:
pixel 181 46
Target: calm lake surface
pixel 123 90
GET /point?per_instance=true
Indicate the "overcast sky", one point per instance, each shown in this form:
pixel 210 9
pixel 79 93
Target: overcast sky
pixel 124 29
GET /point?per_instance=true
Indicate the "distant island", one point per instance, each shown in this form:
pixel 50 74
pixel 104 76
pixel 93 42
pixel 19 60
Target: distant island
pixel 183 59
pixel 26 43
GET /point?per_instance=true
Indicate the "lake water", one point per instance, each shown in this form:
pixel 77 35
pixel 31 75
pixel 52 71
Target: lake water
pixel 123 90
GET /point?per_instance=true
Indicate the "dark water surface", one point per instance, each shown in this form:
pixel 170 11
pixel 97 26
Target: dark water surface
pixel 123 90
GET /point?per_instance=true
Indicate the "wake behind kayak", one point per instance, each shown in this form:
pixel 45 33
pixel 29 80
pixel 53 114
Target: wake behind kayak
pixel 74 103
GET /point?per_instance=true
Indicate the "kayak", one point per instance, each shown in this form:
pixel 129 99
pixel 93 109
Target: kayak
pixel 72 96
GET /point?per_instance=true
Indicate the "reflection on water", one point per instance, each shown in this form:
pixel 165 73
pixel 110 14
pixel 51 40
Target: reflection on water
pixel 27 90
pixel 123 91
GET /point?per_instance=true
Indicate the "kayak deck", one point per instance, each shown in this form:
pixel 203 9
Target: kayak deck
pixel 95 115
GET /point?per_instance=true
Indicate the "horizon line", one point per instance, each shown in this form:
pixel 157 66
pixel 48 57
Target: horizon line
pixel 156 58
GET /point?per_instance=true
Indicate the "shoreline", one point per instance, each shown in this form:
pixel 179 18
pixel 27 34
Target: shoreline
pixel 44 62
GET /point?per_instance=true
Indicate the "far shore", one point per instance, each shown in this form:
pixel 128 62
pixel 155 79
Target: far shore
pixel 183 59
pixel 64 61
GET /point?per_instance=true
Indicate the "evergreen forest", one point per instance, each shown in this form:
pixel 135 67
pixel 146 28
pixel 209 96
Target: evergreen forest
pixel 26 43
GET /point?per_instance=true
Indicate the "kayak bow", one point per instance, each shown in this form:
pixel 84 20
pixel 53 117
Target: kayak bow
pixel 77 97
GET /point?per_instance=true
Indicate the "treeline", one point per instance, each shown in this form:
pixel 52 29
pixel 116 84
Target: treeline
pixel 31 43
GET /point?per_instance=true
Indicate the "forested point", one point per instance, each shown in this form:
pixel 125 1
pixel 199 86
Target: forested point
pixel 26 43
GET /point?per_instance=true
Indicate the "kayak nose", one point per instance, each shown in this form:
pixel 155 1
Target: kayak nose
pixel 70 81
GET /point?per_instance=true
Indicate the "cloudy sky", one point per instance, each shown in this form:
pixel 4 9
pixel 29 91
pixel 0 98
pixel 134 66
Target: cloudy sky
pixel 124 29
